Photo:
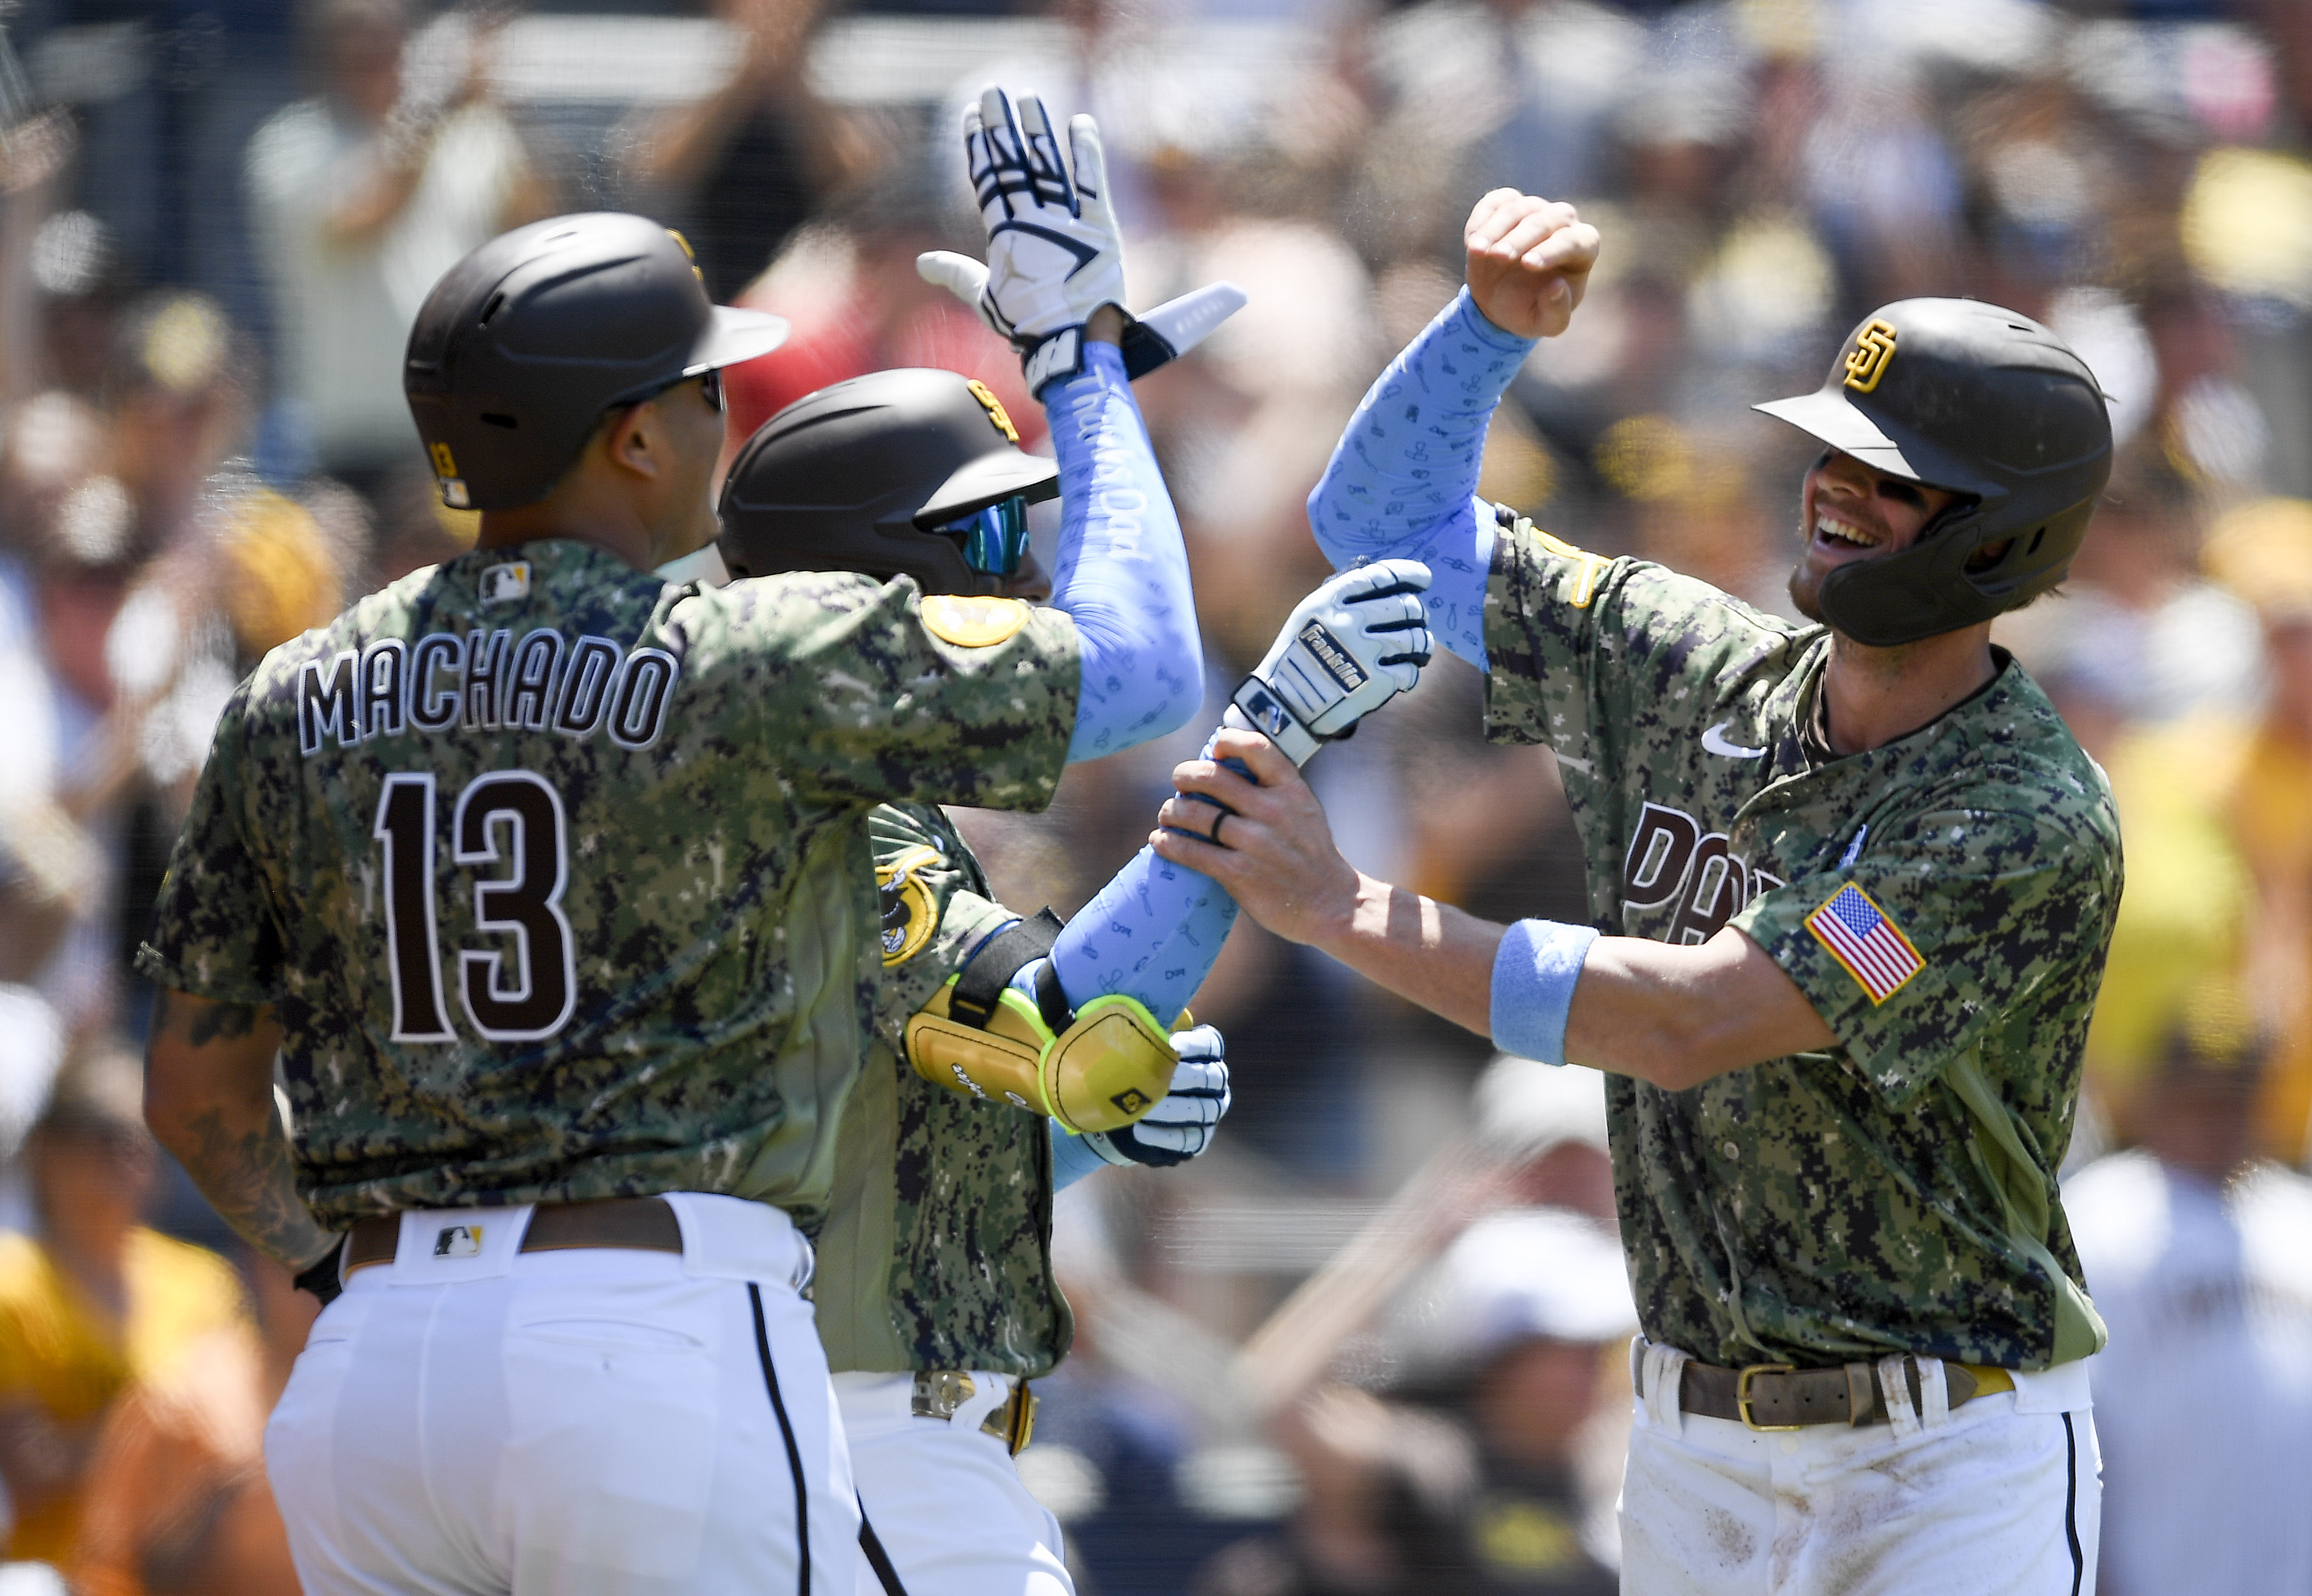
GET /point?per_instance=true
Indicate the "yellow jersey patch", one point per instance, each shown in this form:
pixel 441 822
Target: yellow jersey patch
pixel 1585 580
pixel 905 901
pixel 973 623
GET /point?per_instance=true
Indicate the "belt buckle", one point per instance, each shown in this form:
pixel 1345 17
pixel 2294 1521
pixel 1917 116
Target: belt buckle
pixel 939 1393
pixel 1742 1395
pixel 1014 1423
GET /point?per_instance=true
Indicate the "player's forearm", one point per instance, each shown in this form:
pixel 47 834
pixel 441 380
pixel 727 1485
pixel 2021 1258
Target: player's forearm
pixel 1151 934
pixel 208 1098
pixel 1122 573
pixel 1402 481
pixel 1428 953
pixel 1680 1015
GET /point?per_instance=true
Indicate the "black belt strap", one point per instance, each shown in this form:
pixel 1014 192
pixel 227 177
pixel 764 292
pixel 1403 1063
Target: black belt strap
pixel 1000 958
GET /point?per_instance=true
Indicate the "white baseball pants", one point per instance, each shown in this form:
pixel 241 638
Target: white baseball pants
pixel 2005 1494
pixel 945 1499
pixel 562 1424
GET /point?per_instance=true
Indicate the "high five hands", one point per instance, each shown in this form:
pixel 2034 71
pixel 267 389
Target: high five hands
pixel 1529 262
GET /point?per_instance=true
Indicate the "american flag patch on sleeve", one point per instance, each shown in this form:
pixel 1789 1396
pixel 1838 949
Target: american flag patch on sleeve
pixel 1861 938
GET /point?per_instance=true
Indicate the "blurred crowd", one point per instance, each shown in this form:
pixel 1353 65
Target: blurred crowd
pixel 1377 1336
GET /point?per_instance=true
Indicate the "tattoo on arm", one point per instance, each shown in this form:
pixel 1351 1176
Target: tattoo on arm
pixel 208 1096
pixel 205 1022
pixel 248 1175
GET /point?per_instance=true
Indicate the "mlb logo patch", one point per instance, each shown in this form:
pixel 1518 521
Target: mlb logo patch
pixel 458 1241
pixel 1870 947
pixel 1268 717
pixel 502 584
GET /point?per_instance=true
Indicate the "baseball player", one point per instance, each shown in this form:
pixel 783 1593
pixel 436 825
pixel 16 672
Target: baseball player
pixel 934 1292
pixel 1852 882
pixel 551 882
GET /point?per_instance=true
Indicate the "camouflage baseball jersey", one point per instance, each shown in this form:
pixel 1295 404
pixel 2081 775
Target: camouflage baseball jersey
pixel 1944 902
pixel 936 1250
pixel 557 875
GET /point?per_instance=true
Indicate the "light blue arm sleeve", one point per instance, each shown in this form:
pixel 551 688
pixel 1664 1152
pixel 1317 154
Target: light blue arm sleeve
pixel 1402 481
pixel 1122 573
pixel 1071 1161
pixel 1152 933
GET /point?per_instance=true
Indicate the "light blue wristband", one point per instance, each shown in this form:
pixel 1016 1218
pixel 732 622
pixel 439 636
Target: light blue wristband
pixel 1534 976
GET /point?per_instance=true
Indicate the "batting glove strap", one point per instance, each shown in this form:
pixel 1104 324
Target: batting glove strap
pixel 1054 359
pixel 1256 706
pixel 1354 643
pixel 1165 333
pixel 1183 1125
pixel 1177 326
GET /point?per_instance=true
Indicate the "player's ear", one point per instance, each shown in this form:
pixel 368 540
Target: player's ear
pixel 631 441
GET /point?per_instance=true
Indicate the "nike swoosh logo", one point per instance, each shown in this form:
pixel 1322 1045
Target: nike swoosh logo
pixel 1085 254
pixel 1713 741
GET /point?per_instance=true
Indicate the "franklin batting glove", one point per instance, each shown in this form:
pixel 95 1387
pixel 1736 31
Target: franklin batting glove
pixel 1181 1127
pixel 1054 253
pixel 1354 643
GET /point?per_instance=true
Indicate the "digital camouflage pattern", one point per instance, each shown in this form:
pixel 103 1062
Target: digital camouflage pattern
pixel 632 816
pixel 1898 1195
pixel 936 1251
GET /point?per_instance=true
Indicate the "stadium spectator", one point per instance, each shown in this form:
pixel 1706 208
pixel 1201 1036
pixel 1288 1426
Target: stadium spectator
pixel 1470 1480
pixel 2200 1256
pixel 847 286
pixel 177 1500
pixel 744 167
pixel 363 197
pixel 95 1301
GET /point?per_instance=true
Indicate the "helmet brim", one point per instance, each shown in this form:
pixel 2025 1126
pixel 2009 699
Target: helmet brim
pixel 735 336
pixel 1828 416
pixel 994 475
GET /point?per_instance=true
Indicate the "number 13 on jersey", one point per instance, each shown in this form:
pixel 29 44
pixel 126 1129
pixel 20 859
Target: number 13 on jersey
pixel 511 819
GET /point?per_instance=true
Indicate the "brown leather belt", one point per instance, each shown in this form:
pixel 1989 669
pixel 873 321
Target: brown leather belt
pixel 647 1224
pixel 1778 1397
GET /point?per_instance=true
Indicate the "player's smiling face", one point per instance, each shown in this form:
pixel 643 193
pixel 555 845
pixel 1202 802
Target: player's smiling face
pixel 1850 512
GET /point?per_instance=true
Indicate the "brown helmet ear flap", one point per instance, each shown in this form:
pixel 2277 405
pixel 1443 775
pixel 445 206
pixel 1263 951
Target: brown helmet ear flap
pixel 1990 557
pixel 1930 587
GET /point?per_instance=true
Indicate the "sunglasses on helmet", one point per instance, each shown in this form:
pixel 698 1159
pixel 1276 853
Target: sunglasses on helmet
pixel 995 538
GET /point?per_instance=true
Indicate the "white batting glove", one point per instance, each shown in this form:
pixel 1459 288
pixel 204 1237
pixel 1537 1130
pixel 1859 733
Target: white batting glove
pixel 1166 333
pixel 1054 253
pixel 1181 1127
pixel 1354 643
